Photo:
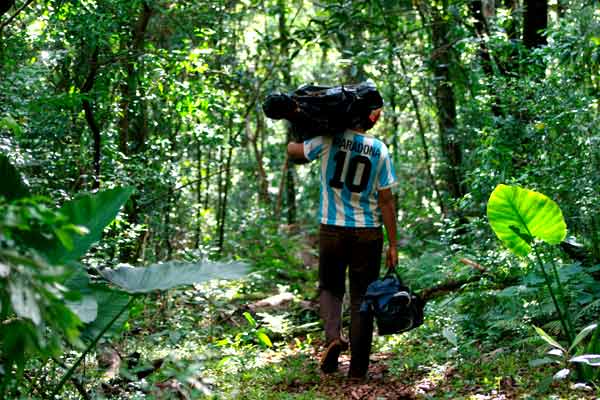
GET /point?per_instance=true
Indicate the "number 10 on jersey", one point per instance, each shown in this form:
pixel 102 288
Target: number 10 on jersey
pixel 357 174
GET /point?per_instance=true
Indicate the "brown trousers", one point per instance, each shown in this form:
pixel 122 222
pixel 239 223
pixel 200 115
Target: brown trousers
pixel 359 249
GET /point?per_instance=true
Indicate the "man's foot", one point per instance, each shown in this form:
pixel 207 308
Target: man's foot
pixel 357 378
pixel 329 361
pixel 344 343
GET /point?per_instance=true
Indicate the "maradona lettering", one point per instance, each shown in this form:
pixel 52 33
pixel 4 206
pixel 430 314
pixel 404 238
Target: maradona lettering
pixel 356 147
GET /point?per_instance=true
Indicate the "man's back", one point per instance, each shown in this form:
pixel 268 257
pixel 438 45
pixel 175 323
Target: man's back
pixel 354 167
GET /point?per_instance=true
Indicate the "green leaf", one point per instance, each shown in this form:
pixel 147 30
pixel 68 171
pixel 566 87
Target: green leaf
pixel 9 123
pixel 544 384
pixel 582 335
pixel 250 319
pixel 450 336
pixel 541 361
pixel 85 308
pixel 519 215
pixel 171 274
pixel 589 359
pixel 562 374
pixel 23 301
pixel 12 187
pixel 64 237
pixel 264 339
pixel 109 304
pixel 548 338
pixel 93 212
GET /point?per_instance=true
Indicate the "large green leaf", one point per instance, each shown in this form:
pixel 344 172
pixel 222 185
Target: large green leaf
pixel 519 215
pixel 92 211
pixel 12 186
pixel 80 298
pixel 109 304
pixel 171 274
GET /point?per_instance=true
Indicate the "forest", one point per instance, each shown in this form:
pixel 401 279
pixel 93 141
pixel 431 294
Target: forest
pixel 157 241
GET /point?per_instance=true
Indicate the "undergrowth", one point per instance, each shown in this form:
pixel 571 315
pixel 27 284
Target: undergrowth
pixel 208 341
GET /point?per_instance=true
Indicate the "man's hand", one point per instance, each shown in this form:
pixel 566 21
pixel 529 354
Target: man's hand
pixel 388 212
pixel 296 151
pixel 391 257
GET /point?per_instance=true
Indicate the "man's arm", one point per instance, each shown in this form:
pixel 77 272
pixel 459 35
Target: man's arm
pixel 388 212
pixel 296 151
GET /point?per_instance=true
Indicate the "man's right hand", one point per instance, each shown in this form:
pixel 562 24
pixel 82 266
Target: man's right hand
pixel 296 151
pixel 391 257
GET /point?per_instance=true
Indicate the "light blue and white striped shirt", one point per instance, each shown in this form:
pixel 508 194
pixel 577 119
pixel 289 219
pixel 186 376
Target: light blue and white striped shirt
pixel 354 167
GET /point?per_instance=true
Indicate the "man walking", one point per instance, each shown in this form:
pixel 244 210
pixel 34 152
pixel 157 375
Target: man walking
pixel 356 199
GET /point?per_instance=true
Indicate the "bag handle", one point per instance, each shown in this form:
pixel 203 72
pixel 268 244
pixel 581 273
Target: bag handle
pixel 393 272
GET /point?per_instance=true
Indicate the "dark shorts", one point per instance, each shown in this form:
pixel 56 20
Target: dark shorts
pixel 359 249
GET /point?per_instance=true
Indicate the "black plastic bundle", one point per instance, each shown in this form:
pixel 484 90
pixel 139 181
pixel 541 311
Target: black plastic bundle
pixel 324 110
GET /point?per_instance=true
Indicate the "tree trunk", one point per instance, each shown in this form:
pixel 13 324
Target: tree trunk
pixel 198 193
pixel 220 188
pixel 129 85
pixel 5 6
pixel 482 31
pixel 534 21
pixel 279 200
pixel 446 104
pixel 89 115
pixel 261 175
pixel 207 183
pixel 168 224
pixel 561 8
pixel 287 80
pixel 511 28
pixel 225 195
pixel 424 146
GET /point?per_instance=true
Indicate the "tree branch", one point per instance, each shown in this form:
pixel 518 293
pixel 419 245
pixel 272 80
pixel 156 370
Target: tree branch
pixel 8 21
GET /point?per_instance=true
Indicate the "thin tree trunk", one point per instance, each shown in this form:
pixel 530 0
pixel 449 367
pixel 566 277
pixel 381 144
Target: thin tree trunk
pixel 263 184
pixel 535 20
pixel 225 196
pixel 198 193
pixel 482 31
pixel 446 104
pixel 207 183
pixel 173 132
pixel 287 80
pixel 168 224
pixel 561 8
pixel 424 146
pixel 220 188
pixel 279 201
pixel 89 115
pixel 129 85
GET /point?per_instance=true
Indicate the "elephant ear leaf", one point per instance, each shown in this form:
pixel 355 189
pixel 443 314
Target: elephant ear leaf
pixel 171 274
pixel 518 216
pixel 13 187
pixel 91 213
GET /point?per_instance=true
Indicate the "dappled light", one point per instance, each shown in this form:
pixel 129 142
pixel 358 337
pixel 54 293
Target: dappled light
pixel 293 199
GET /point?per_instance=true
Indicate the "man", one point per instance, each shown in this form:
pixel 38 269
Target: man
pixel 356 198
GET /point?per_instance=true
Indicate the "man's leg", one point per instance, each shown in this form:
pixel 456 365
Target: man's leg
pixel 364 269
pixel 332 270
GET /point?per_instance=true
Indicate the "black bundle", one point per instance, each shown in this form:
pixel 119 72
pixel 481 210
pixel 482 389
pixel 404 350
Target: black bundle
pixel 324 110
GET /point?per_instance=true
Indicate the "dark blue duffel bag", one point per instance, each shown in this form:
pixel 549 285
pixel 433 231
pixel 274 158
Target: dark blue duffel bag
pixel 395 307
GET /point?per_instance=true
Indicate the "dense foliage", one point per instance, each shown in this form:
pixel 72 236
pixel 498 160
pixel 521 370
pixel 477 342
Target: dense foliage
pixel 131 133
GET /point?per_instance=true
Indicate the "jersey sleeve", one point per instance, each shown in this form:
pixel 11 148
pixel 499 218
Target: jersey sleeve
pixel 387 176
pixel 313 148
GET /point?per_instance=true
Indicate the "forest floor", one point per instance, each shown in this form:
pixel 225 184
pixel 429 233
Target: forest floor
pixel 260 338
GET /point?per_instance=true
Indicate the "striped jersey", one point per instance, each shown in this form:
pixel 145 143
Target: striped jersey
pixel 354 167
